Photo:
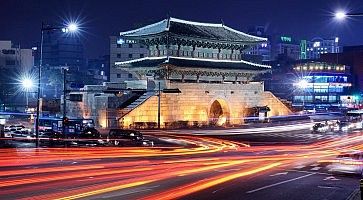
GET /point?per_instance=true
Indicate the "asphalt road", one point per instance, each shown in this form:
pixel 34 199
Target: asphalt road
pixel 246 166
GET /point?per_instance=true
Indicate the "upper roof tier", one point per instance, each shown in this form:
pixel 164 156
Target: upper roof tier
pixel 197 30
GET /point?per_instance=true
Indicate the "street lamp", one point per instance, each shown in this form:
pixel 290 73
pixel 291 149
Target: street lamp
pixel 27 84
pixel 70 28
pixel 303 84
pixel 341 15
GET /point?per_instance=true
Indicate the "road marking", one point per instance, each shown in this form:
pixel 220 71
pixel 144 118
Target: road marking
pixel 326 187
pixel 308 172
pixel 315 168
pixel 218 190
pixel 279 183
pixel 331 178
pixel 278 174
pixel 314 165
pixel 299 167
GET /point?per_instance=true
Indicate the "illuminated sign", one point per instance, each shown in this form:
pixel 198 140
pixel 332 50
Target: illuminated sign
pixel 123 41
pixel 120 41
pixel 285 39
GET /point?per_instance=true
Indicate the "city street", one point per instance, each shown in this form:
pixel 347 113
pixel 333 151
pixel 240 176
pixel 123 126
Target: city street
pixel 200 168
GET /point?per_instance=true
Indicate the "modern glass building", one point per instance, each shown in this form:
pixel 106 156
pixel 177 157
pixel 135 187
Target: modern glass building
pixel 321 85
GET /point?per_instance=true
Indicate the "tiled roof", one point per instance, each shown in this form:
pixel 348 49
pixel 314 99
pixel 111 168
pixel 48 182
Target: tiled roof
pixel 193 29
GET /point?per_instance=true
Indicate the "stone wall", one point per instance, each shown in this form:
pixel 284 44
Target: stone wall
pixel 194 102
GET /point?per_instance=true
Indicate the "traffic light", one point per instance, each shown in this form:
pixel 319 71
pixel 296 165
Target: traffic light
pixel 65 121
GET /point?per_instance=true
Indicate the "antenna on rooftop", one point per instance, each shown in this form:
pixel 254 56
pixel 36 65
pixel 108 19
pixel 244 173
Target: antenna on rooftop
pixel 222 22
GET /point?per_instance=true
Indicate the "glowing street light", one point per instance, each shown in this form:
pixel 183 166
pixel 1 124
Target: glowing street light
pixel 340 15
pixel 27 84
pixel 71 27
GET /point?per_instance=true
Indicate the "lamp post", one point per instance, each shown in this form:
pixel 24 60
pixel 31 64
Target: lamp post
pixel 71 27
pixel 303 84
pixel 65 70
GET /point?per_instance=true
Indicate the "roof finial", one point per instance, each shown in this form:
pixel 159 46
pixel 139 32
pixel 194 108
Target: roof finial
pixel 168 18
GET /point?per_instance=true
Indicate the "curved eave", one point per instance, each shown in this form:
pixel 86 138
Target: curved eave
pixel 194 62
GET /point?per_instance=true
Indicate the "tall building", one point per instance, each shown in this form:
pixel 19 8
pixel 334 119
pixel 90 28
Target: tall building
pixel 123 50
pixel 61 50
pixel 15 62
pixel 264 49
pixel 321 85
pixel 353 57
pixel 98 70
pixel 285 46
pixel 317 46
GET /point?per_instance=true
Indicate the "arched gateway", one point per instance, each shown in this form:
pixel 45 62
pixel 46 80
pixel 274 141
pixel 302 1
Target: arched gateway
pixel 219 113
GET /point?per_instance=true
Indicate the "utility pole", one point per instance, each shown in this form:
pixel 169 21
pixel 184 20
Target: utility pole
pixel 65 69
pixel 159 93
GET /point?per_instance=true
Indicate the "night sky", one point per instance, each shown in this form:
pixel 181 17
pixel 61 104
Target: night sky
pixel 20 20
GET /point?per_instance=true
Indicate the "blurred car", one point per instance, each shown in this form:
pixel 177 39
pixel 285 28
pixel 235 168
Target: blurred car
pixel 23 135
pixel 121 137
pixel 320 128
pixel 50 137
pixel 89 136
pixel 351 163
pixel 8 133
pixel 15 127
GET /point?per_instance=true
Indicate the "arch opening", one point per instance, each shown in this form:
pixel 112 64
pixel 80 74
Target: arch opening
pixel 218 113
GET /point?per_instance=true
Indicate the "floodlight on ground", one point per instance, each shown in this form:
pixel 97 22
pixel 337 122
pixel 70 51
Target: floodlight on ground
pixel 302 84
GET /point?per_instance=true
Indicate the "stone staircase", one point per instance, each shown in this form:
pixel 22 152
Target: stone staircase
pixel 136 103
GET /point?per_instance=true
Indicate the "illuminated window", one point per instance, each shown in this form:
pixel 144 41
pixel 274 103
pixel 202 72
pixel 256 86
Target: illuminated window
pixel 316 44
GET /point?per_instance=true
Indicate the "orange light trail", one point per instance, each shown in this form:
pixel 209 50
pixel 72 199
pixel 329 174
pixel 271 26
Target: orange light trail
pixel 84 172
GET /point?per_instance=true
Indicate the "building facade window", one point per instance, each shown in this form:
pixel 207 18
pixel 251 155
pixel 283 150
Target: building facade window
pixel 118 55
pixel 141 55
pixel 118 45
pixel 118 75
pixel 10 62
pixel 129 75
pixel 130 45
pixel 130 55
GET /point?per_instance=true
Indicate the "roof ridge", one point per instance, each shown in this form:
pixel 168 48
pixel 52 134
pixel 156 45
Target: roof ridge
pixel 222 25
pixel 195 23
pixel 145 27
